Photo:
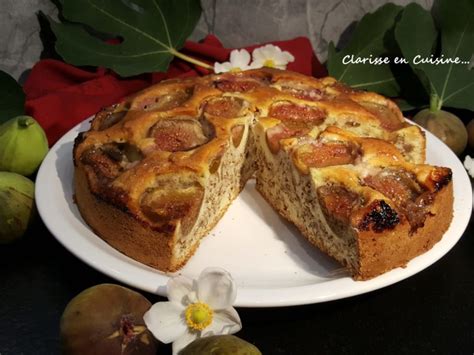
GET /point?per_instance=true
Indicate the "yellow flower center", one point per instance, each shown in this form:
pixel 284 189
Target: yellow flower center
pixel 198 316
pixel 270 63
pixel 235 70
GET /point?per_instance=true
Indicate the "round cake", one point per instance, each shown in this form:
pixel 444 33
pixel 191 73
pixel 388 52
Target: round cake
pixel 157 171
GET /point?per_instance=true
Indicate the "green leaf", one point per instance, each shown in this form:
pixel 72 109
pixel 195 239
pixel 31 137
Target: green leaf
pixel 449 84
pixel 152 31
pixel 371 37
pixel 12 98
pixel 416 43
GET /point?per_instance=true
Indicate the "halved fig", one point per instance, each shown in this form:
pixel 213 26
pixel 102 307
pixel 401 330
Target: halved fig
pixel 319 155
pixel 215 164
pixel 297 116
pixel 387 118
pixel 111 119
pixel 105 167
pixel 225 106
pixel 123 152
pixel 338 202
pixel 181 133
pixel 417 210
pixel 300 91
pixel 110 116
pixel 264 77
pixel 237 134
pixel 166 101
pixel 406 193
pixel 168 202
pixel 236 84
pixel 397 184
pixel 310 94
pixel 109 160
pixel 276 133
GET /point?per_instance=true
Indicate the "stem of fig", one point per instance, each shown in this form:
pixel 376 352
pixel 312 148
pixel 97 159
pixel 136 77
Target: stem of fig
pixel 435 103
pixel 190 59
pixel 25 121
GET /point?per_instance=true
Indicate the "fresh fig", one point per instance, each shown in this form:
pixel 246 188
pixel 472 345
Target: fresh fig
pixel 106 319
pixel 446 126
pixel 470 133
pixel 17 206
pixel 220 345
pixel 23 145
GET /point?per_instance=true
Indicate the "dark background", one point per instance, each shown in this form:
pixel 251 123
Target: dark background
pixel 429 313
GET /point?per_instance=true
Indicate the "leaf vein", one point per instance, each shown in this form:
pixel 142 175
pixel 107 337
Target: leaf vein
pixel 186 25
pixel 104 54
pixel 164 22
pixel 451 64
pixel 373 83
pixel 145 34
pixel 458 91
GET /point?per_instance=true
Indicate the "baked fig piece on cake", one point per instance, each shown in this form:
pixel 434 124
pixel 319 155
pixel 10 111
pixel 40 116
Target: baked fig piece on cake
pixel 157 171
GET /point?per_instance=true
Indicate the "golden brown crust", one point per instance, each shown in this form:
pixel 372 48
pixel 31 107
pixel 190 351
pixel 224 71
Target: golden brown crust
pixel 128 236
pixel 382 252
pixel 150 171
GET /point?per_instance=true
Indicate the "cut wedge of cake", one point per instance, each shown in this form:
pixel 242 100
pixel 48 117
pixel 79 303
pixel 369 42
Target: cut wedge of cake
pixel 156 172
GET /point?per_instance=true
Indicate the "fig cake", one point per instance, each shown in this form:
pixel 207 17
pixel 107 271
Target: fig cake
pixel 157 171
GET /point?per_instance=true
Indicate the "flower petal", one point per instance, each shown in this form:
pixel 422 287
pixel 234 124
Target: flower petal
pixel 222 67
pixel 183 341
pixel 258 55
pixel 178 289
pixel 288 57
pixel 192 297
pixel 226 321
pixel 240 58
pixel 469 165
pixel 271 51
pixel 216 288
pixel 256 64
pixel 166 321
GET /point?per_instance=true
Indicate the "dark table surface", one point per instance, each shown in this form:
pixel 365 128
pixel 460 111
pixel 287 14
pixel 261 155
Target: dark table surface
pixel 429 313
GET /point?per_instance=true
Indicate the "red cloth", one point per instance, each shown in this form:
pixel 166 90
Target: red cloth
pixel 60 95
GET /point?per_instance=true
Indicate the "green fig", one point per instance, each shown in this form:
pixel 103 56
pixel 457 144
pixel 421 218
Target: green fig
pixel 470 133
pixel 17 206
pixel 220 345
pixel 23 145
pixel 446 126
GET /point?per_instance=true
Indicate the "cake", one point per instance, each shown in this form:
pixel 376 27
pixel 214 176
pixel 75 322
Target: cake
pixel 157 171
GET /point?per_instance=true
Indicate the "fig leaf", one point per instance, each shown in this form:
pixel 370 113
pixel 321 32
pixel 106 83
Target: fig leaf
pixel 448 84
pixel 150 33
pixel 12 98
pixel 371 37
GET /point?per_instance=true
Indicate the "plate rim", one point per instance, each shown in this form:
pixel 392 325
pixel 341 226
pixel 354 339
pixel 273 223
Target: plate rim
pixel 126 269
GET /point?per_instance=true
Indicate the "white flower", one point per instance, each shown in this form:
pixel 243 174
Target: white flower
pixel 239 60
pixel 469 165
pixel 195 309
pixel 270 56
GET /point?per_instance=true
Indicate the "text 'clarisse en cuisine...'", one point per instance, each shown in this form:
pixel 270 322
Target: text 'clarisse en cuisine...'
pixel 418 59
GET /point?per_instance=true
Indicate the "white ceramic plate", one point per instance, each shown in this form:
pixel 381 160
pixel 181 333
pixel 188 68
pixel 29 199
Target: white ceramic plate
pixel 270 262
